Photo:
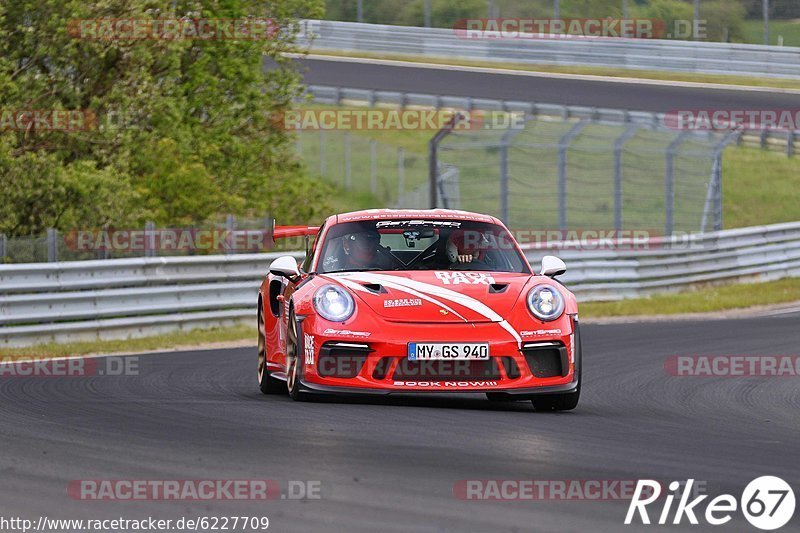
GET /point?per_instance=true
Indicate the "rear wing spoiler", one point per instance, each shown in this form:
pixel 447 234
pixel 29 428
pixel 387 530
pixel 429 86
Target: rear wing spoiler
pixel 286 232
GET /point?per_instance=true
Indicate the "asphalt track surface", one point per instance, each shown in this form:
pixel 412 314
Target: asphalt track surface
pixel 632 96
pixel 390 464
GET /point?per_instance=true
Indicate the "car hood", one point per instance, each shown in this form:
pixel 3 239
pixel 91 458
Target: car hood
pixel 436 296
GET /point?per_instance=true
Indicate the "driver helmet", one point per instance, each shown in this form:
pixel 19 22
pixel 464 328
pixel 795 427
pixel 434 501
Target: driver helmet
pixel 362 247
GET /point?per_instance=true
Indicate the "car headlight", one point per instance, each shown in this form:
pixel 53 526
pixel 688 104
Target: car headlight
pixel 545 302
pixel 334 303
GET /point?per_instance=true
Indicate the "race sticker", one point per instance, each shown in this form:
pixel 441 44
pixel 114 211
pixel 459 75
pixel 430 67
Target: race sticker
pixel 309 349
pixel 467 278
pixel 346 333
pixel 423 223
pixel 403 302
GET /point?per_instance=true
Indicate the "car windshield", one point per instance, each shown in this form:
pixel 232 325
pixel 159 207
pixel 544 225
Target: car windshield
pixel 420 245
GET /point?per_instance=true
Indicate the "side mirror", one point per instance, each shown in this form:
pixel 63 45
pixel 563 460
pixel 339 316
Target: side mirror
pixel 285 266
pixel 552 266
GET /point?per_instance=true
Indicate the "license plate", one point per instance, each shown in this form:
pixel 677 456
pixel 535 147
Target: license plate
pixel 447 351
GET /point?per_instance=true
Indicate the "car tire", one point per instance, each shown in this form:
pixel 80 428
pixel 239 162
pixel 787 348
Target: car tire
pixel 294 352
pixel 557 402
pixel 569 400
pixel 267 383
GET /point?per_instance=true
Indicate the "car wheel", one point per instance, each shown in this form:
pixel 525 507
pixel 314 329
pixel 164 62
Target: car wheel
pixel 294 352
pixel 569 400
pixel 266 382
pixel 557 402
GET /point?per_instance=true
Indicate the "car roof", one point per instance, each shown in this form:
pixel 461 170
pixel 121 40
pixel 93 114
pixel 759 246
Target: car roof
pixel 399 214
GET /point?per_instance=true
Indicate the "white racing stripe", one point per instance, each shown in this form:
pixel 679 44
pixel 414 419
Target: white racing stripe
pixel 421 288
pixel 355 286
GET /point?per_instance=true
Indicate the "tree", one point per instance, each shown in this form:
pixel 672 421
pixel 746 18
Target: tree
pixel 183 126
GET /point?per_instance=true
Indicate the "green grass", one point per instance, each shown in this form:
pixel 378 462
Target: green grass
pixel 759 187
pixel 140 344
pixel 702 300
pixel 753 81
pixel 790 29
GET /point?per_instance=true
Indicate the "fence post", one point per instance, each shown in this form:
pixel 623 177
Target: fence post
pixel 563 146
pixel 669 182
pixel 52 245
pixel 323 164
pixel 433 158
pixel 348 170
pixel 149 239
pixel 716 179
pixel 618 145
pixel 505 143
pixel 401 176
pixel 790 144
pixel 373 166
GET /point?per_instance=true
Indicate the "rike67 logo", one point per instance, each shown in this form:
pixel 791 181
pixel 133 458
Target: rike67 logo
pixel 767 503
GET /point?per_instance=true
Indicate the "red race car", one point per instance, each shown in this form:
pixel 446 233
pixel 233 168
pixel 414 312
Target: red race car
pixel 402 301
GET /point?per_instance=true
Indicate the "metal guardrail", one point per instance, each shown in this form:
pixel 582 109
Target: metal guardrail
pixel 652 54
pixel 772 139
pixel 119 298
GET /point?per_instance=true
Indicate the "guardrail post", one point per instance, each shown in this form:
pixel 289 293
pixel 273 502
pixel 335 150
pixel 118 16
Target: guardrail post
pixel 373 166
pixel 505 144
pixel 3 245
pixel 149 239
pixel 563 146
pixel 401 176
pixel 790 144
pixel 52 245
pixel 618 145
pixel 669 182
pixel 348 152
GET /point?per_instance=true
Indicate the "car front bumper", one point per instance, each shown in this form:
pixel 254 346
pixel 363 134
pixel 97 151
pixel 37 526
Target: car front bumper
pixel 353 364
